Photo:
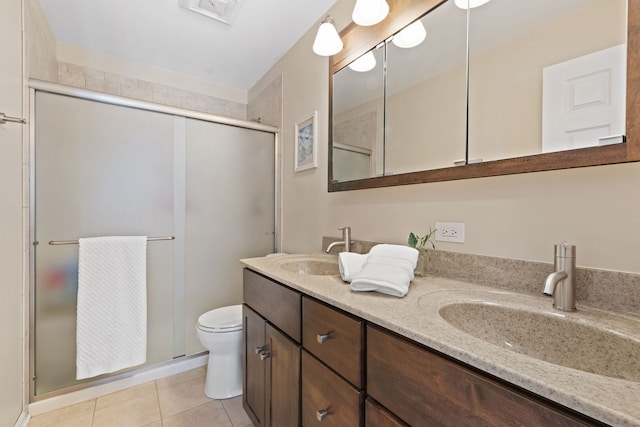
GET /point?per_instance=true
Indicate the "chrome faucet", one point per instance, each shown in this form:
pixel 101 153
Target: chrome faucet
pixel 346 239
pixel 562 283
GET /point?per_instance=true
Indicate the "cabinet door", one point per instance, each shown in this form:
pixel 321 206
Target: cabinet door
pixel 377 416
pixel 253 375
pixel 327 399
pixel 424 388
pixel 283 380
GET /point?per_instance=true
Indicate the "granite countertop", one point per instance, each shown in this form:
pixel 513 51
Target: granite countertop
pixel 612 401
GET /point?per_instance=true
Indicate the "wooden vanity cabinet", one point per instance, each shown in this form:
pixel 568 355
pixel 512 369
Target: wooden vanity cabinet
pixel 271 357
pixel 424 388
pixel 308 363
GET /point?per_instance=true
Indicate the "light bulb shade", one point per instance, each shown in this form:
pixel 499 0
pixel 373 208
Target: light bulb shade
pixel 369 12
pixel 470 4
pixel 327 40
pixel 365 63
pixel 410 36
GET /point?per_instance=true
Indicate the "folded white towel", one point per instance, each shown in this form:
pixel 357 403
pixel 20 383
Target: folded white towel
pixel 388 270
pixel 404 263
pixel 111 329
pixel 386 279
pixel 396 251
pixel 350 264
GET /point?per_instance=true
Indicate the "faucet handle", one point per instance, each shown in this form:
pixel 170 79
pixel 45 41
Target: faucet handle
pixel 344 227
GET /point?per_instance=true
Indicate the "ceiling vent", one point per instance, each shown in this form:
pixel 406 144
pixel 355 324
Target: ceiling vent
pixel 220 10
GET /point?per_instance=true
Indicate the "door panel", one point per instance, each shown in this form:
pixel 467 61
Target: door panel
pixel 253 398
pixel 229 214
pixel 101 170
pixel 584 100
pixel 283 380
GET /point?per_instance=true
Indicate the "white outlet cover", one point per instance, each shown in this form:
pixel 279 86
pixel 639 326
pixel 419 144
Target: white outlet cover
pixel 450 232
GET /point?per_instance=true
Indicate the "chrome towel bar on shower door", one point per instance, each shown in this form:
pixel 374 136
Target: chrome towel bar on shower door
pixel 75 242
pixel 6 119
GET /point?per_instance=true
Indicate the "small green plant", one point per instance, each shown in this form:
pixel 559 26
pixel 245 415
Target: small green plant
pixel 419 242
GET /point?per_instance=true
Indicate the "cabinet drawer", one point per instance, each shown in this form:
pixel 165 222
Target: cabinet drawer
pixel 323 390
pixel 424 388
pixel 335 338
pixel 278 304
pixel 376 416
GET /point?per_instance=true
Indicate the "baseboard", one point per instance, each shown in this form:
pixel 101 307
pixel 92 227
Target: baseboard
pixel 23 419
pixel 171 368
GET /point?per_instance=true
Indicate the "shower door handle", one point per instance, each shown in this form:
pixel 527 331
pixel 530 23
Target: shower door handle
pixel 6 119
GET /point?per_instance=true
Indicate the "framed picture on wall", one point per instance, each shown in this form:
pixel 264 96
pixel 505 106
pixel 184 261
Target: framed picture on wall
pixel 306 131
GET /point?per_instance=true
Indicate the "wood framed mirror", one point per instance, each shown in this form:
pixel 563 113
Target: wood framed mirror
pixel 475 162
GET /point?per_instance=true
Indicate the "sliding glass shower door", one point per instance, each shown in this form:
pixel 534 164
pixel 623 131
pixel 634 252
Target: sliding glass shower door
pixel 229 214
pixel 103 170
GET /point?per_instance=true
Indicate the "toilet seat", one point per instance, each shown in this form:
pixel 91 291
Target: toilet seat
pixel 220 320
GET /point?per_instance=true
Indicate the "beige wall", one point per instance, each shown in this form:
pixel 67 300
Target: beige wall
pixel 135 70
pixel 12 210
pixel 122 84
pixel 518 216
pixel 40 45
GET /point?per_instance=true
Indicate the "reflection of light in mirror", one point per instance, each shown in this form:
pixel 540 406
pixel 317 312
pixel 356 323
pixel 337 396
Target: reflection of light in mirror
pixel 411 36
pixel 470 4
pixel 365 63
pixel 369 12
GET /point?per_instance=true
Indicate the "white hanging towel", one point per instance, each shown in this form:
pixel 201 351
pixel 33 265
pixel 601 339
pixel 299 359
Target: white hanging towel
pixel 111 329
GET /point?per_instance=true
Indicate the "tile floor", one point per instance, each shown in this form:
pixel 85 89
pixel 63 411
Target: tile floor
pixel 173 401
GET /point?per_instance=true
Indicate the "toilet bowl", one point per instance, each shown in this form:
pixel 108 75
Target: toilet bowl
pixel 220 332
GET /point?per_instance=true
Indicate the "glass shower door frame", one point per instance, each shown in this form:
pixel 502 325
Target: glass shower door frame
pixel 109 99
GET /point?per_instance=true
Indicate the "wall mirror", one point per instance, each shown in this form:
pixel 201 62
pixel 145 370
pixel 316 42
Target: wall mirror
pixel 551 85
pixel 358 108
pixel 418 78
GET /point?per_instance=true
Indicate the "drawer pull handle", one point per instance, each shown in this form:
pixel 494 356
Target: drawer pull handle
pixel 322 414
pixel 323 338
pixel 261 349
pixel 265 356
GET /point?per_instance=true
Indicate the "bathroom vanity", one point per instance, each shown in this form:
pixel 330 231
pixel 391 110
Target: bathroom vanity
pixel 316 353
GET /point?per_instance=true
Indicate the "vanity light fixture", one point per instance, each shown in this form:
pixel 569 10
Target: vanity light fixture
pixel 410 36
pixel 369 12
pixel 366 62
pixel 470 4
pixel 327 40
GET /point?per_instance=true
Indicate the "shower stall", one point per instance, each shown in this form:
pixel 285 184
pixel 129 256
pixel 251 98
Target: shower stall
pixel 103 165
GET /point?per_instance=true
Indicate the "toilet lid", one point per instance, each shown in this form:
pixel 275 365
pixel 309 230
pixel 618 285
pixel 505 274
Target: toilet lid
pixel 224 319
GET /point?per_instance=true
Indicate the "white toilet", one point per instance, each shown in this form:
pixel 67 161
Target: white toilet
pixel 220 332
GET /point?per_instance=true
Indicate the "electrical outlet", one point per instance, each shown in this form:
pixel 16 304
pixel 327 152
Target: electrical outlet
pixel 450 232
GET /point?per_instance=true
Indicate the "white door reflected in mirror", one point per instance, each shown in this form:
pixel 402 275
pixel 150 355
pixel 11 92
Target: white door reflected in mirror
pixel 584 100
